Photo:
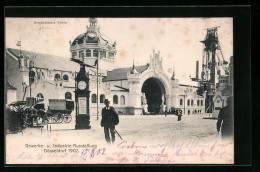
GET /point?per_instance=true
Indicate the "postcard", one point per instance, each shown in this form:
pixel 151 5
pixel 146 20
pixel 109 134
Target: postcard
pixel 119 90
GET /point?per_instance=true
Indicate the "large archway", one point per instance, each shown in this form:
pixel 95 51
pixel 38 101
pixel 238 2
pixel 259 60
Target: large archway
pixel 154 92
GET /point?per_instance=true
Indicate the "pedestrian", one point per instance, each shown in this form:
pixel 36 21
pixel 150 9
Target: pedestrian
pixel 226 119
pixel 108 121
pixel 165 112
pixel 179 114
pixel 188 112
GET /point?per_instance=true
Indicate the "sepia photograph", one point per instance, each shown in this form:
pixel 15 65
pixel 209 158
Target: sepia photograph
pixel 98 90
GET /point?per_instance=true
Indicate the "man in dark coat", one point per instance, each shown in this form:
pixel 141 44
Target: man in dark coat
pixel 226 115
pixel 109 120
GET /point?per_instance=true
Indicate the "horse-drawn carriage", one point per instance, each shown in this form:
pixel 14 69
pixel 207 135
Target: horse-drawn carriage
pixel 33 111
pixel 59 111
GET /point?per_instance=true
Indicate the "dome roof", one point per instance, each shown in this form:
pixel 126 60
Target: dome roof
pixel 99 38
pixel 81 37
pixel 93 35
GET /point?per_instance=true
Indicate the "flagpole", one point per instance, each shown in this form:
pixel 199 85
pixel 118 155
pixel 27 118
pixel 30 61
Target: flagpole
pixel 97 87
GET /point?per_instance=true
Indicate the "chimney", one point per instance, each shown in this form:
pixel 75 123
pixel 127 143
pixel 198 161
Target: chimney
pixel 197 70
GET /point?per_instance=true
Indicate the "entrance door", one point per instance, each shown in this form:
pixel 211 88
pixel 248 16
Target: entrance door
pixel 154 91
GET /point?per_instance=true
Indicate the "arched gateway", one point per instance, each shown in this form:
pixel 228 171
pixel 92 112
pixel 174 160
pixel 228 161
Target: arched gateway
pixel 156 87
pixel 151 88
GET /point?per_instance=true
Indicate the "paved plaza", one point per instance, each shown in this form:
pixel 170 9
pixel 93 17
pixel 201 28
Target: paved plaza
pixel 146 139
pixel 145 128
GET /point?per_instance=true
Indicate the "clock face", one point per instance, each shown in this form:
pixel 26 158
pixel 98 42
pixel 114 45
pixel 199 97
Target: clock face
pixel 91 34
pixel 82 85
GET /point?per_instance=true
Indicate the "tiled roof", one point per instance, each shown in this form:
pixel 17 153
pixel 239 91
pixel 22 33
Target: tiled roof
pixel 121 73
pixel 47 61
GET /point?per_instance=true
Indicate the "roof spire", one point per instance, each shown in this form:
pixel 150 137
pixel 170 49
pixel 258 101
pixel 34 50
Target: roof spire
pixel 173 74
pixel 133 71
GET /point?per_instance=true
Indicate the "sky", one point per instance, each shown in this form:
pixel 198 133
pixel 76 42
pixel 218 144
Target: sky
pixel 177 39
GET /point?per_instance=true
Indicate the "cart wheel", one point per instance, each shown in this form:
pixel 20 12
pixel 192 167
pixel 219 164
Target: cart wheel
pixel 67 118
pixel 58 117
pixel 45 119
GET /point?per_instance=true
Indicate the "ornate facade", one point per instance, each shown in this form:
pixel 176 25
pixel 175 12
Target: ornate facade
pixel 133 90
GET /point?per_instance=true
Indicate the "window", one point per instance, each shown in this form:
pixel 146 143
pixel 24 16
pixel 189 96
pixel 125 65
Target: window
pixel 111 55
pixel 201 102
pixel 102 54
pixel 122 100
pixel 94 98
pixel 115 99
pixel 88 53
pixel 198 102
pixel 40 96
pixel 74 54
pixel 102 98
pixel 56 76
pixel 188 102
pixel 65 77
pixel 192 102
pixel 68 95
pixel 181 102
pixel 95 53
pixel 32 75
pixel 81 54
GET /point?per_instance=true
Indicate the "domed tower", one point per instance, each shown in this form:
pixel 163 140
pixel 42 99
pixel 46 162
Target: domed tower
pixel 93 45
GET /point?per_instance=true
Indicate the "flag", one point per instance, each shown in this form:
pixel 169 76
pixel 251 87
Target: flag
pixel 18 43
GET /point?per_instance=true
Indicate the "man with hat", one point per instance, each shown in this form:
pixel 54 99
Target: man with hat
pixel 226 120
pixel 109 120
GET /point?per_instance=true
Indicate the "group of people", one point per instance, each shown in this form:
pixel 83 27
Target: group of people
pixel 195 111
pixel 225 120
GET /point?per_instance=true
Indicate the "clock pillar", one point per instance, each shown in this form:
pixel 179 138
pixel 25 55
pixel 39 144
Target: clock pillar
pixel 82 99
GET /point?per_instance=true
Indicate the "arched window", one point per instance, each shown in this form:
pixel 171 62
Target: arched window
pixel 115 99
pixel 201 102
pixel 181 102
pixel 94 98
pixel 88 53
pixel 40 96
pixel 192 102
pixel 188 102
pixel 65 78
pixel 68 95
pixel 198 102
pixel 102 98
pixel 56 76
pixel 122 100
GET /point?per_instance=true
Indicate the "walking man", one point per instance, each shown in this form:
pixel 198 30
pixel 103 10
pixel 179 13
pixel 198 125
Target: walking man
pixel 226 119
pixel 108 121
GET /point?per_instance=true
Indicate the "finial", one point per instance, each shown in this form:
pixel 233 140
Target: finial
pixel 133 71
pixel 173 75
